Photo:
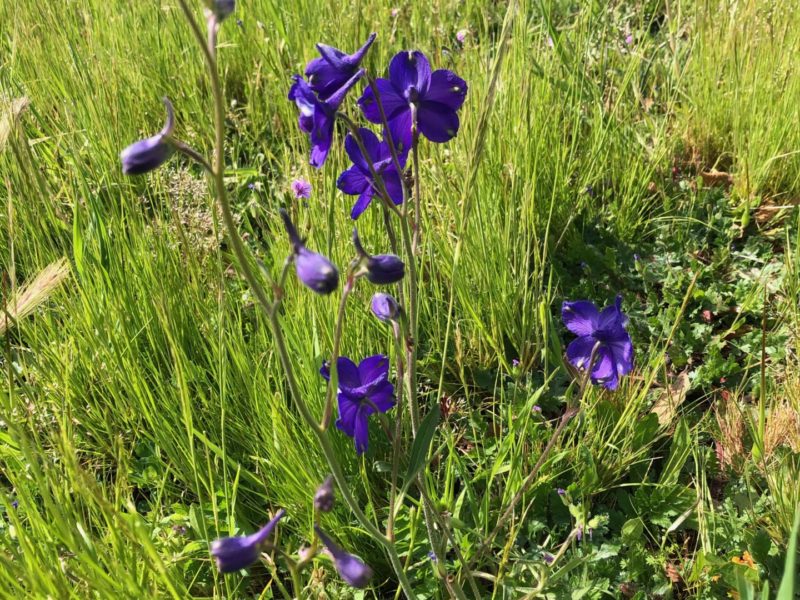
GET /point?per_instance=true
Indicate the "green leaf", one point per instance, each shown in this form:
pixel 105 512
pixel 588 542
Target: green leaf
pixel 421 445
pixel 786 591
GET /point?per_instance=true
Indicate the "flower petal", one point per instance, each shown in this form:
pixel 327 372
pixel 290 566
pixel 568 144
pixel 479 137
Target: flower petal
pixel 321 137
pixel 373 369
pixel 348 413
pixel 371 144
pixel 437 122
pixel 383 396
pixel 393 102
pixel 361 433
pixel 622 352
pixel 410 69
pixel 611 316
pixel 447 88
pixel 393 185
pixel 336 98
pixel 362 203
pixel 352 181
pixel 347 372
pixel 579 351
pixel 605 371
pixel 400 130
pixel 580 316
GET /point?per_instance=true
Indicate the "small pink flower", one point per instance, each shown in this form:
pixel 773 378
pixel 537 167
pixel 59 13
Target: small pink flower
pixel 461 35
pixel 301 188
pixel 628 39
pixel 395 12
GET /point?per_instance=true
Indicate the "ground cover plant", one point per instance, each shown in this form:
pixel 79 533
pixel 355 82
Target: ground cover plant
pixel 458 299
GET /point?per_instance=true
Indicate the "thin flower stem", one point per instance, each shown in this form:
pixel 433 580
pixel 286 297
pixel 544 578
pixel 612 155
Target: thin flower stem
pixel 272 312
pixel 184 148
pixel 568 415
pixel 398 430
pixel 333 368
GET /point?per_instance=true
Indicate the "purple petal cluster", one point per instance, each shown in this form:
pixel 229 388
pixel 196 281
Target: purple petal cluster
pixel 238 552
pixel 602 340
pixel 317 117
pixel 385 307
pixel 363 390
pixel 149 154
pixel 333 68
pixel 358 179
pixel 414 93
pixel 301 189
pixel 350 568
pixel 381 269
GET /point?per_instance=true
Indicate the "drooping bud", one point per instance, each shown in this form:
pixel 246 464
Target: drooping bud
pixel 350 568
pixel 381 269
pixel 325 496
pixel 385 307
pixel 149 154
pixel 236 553
pixel 313 270
pixel 221 9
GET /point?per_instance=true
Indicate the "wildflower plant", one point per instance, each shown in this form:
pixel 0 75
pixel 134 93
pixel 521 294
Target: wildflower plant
pixel 414 105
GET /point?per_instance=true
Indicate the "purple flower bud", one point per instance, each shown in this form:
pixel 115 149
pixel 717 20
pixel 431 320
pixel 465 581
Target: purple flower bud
pixel 579 533
pixel 537 408
pixel 351 568
pixel 548 558
pixel 383 268
pixel 313 270
pixel 325 495
pixel 385 307
pixel 235 553
pixel 222 8
pixel 432 556
pixel 514 362
pixel 301 188
pixel 15 504
pixel 148 154
pixel 561 491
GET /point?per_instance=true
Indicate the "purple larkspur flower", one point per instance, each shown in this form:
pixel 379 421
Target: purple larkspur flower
pixel 602 334
pixel 363 389
pixel 333 68
pixel 385 307
pixel 350 568
pixel 358 180
pixel 325 496
pixel 149 154
pixel 301 188
pixel 313 270
pixel 435 97
pixel 238 552
pixel 381 269
pixel 317 117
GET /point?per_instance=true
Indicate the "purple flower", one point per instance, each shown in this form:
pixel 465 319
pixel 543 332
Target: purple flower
pixel 603 334
pixel 317 116
pixel 536 408
pixel 435 97
pixel 461 35
pixel 235 553
pixel 561 491
pixel 325 496
pixel 15 504
pixel 385 307
pixel 548 558
pixel 301 188
pixel 514 362
pixel 432 556
pixel 351 568
pixel 363 389
pixel 357 180
pixel 579 533
pixel 314 270
pixel 628 39
pixel 332 70
pixel 148 154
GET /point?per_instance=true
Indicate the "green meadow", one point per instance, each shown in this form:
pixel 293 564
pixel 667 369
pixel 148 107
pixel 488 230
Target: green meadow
pixel 646 148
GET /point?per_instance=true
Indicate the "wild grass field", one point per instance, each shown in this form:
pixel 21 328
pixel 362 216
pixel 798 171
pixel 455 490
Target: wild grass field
pixel 646 148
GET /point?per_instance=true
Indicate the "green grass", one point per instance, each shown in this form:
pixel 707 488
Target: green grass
pixel 146 392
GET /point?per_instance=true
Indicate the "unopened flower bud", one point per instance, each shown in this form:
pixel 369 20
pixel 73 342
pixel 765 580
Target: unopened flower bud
pixel 385 307
pixel 149 154
pixel 325 496
pixel 380 269
pixel 235 553
pixel 313 270
pixel 351 568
